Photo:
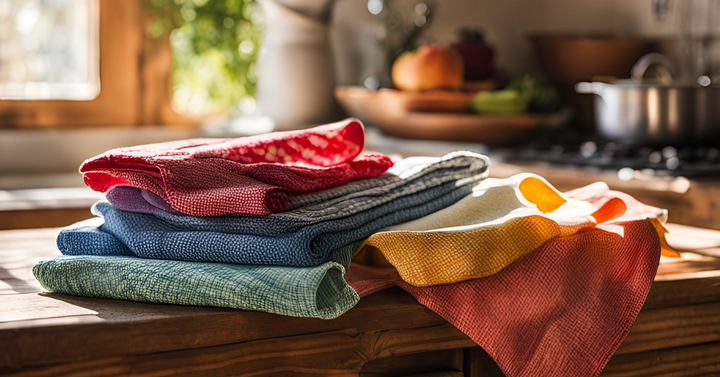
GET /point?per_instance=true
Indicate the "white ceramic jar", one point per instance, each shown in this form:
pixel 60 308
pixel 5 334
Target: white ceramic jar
pixel 295 64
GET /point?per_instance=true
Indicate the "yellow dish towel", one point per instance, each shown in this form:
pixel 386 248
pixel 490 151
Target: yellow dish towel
pixel 502 220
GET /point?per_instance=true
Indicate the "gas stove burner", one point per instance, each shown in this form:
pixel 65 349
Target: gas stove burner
pixel 667 161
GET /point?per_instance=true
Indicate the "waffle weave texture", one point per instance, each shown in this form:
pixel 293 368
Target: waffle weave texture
pixel 489 230
pixel 560 311
pixel 255 175
pixel 302 237
pixel 319 292
pixel 407 177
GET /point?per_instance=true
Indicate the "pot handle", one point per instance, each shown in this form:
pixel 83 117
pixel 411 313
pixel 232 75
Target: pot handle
pixel 589 88
pixel 666 70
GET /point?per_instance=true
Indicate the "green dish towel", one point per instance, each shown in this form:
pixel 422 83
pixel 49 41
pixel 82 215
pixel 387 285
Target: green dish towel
pixel 319 291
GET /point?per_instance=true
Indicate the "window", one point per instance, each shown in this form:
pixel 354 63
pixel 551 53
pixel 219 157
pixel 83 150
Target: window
pixel 62 44
pixel 49 49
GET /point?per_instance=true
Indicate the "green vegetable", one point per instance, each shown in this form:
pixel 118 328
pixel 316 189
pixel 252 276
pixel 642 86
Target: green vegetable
pixel 523 94
pixel 500 102
pixel 543 97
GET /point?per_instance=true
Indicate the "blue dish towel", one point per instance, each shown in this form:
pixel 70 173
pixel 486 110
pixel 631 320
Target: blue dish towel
pixel 292 238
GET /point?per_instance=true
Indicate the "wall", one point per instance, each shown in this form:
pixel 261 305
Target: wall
pixel 507 23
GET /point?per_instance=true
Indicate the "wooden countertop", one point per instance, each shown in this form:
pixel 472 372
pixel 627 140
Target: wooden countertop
pixel 678 330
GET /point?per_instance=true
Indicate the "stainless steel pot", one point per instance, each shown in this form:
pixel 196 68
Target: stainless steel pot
pixel 637 111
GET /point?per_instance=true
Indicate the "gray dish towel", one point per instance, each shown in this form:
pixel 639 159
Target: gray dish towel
pixel 302 237
pixel 407 177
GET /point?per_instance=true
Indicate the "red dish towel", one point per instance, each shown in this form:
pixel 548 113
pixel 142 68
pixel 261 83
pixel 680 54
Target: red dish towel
pixel 206 177
pixel 560 311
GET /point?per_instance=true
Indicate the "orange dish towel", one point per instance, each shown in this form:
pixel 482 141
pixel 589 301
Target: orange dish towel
pixel 561 310
pixel 503 220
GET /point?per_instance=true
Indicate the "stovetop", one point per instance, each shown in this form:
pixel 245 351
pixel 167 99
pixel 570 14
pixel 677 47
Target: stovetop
pixel 602 155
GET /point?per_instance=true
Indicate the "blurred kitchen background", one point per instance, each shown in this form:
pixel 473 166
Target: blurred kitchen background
pixel 624 91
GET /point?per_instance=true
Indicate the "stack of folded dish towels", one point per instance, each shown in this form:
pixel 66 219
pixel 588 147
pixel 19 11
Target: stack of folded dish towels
pixel 545 282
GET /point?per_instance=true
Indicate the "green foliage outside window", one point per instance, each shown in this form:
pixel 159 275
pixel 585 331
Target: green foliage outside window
pixel 215 45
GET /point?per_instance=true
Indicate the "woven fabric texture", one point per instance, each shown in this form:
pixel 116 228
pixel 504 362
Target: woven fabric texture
pixel 560 311
pixel 150 237
pixel 301 237
pixel 319 291
pixel 251 175
pixel 407 177
pixel 487 231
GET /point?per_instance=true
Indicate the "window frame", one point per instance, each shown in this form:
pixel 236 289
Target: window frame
pixel 135 79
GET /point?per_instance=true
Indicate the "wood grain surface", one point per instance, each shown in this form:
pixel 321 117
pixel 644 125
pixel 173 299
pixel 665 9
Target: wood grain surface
pixel 389 333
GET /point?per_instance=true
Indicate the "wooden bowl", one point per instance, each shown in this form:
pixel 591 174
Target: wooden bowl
pixel 397 114
pixel 569 59
pixel 454 101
